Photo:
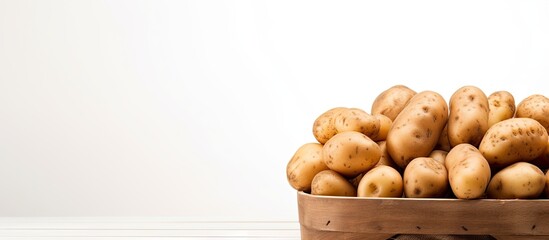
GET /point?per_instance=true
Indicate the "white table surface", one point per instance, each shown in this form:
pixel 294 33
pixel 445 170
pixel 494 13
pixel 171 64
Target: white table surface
pixel 143 228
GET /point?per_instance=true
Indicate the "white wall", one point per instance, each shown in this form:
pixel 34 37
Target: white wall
pixel 193 108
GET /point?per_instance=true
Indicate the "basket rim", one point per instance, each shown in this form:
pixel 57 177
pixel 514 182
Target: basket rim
pixel 302 193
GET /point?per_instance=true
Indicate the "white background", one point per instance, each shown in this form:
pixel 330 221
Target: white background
pixel 193 108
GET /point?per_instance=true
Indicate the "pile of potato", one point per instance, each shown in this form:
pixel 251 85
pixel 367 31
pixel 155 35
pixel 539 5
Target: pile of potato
pixel 417 145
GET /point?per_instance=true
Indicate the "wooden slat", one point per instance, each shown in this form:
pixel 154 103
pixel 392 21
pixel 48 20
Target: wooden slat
pixel 424 216
pixel 307 233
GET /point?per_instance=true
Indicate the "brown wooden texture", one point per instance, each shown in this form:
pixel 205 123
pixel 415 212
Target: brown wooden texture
pixel 521 237
pixel 307 234
pixel 506 219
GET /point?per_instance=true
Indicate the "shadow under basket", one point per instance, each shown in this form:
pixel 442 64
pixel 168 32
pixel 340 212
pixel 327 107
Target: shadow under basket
pixel 327 217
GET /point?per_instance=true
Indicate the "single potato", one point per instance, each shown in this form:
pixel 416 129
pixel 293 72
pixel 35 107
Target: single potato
pixel 391 101
pixel 354 119
pixel 350 153
pixel 330 183
pixel 324 126
pixel 501 107
pixel 513 140
pixel 536 107
pixel 519 180
pixel 305 164
pixel 386 159
pixel 425 177
pixel 381 181
pixel 384 127
pixel 439 155
pixel 468 171
pixel 468 120
pixel 443 141
pixel 416 130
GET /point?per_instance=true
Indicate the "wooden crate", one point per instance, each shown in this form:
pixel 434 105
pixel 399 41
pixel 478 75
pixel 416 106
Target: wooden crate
pixel 326 217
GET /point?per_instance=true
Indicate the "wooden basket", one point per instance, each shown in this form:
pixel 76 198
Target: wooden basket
pixel 326 217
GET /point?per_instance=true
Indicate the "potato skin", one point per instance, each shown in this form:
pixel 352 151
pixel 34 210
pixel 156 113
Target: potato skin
pixel 305 164
pixel 468 120
pixel 384 127
pixel 324 126
pixel 391 101
pixel 417 128
pixel 519 180
pixel 356 180
pixel 443 141
pixel 425 177
pixel 513 140
pixel 536 107
pixel 543 160
pixel 386 159
pixel 501 106
pixel 350 153
pixel 439 156
pixel 330 183
pixel 547 184
pixel 381 181
pixel 468 171
pixel 354 119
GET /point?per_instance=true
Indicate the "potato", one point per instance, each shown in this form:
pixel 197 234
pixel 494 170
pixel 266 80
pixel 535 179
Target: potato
pixel 305 164
pixel 350 153
pixel 439 155
pixel 519 180
pixel 536 107
pixel 468 120
pixel 384 127
pixel 354 119
pixel 417 128
pixel 501 106
pixel 543 160
pixel 330 183
pixel 381 181
pixel 547 184
pixel 468 171
pixel 391 101
pixel 443 141
pixel 425 177
pixel 385 159
pixel 513 140
pixel 356 180
pixel 324 126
